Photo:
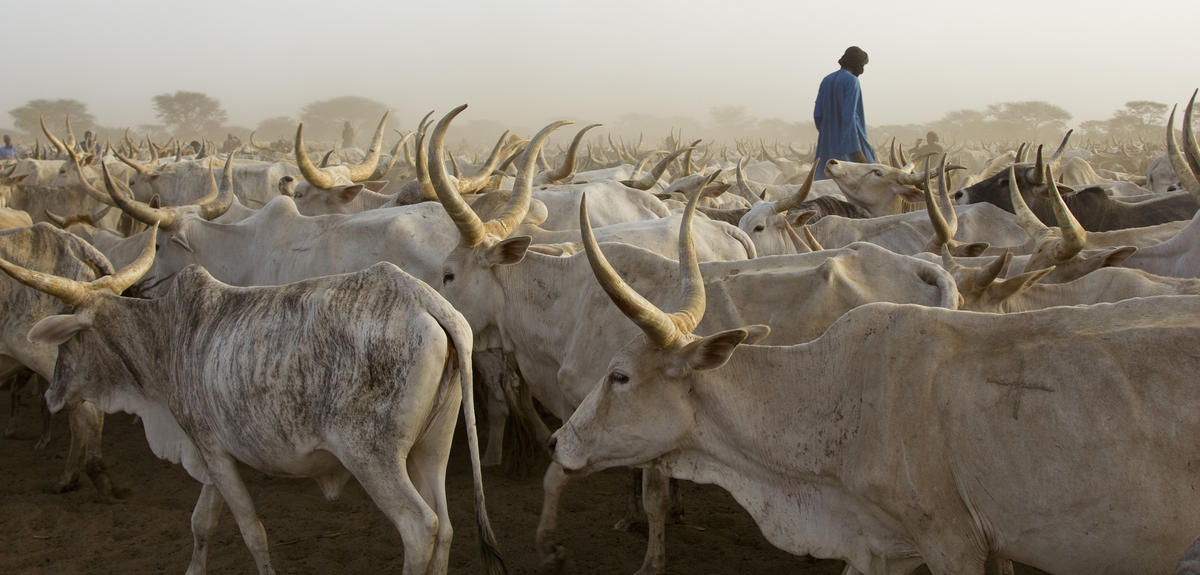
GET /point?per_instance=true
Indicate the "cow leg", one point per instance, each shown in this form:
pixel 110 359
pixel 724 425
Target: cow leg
pixel 42 386
pixel 427 462
pixel 996 566
pixel 491 368
pixel 224 474
pixel 204 522
pixel 633 506
pixel 87 425
pixel 393 491
pixel 655 500
pixel 16 383
pixel 551 553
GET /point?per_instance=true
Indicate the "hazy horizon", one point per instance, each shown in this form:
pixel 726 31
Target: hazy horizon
pixel 525 63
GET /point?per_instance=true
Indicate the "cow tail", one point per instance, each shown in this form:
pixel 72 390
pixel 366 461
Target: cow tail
pixel 489 549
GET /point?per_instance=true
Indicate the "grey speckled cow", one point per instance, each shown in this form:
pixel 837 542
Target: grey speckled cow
pixel 359 380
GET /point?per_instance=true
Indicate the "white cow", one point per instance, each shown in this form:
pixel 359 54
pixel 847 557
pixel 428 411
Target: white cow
pixel 907 434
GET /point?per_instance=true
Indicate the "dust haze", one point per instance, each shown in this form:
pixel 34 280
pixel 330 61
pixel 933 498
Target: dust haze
pixel 704 68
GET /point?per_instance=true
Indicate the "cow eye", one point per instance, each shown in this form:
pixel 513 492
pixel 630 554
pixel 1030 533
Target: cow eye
pixel 618 378
pixel 759 228
pixel 877 173
pixel 298 195
pixel 447 278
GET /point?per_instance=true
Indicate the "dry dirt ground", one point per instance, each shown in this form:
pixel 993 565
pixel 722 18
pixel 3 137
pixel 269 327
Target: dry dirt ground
pixel 55 534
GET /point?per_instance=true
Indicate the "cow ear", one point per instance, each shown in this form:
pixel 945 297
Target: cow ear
pixel 912 195
pixel 349 192
pixel 971 250
pixel 56 329
pixel 1118 256
pixel 802 218
pixel 1009 287
pixel 376 186
pixel 713 351
pixel 756 333
pixel 509 251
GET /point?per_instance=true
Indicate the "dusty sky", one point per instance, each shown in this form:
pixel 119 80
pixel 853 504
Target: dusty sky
pixel 530 61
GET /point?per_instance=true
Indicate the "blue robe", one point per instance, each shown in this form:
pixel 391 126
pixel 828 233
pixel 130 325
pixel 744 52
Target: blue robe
pixel 841 125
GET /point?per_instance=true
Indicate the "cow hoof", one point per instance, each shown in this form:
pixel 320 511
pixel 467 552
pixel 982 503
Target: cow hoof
pixel 631 526
pixel 553 561
pixel 67 485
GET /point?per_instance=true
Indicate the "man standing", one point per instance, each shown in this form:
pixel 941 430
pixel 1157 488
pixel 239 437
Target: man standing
pixel 8 151
pixel 841 125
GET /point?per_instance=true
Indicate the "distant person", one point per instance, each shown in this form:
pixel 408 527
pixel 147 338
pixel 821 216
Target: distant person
pixel 347 135
pixel 231 144
pixel 841 124
pixel 8 151
pixel 931 147
pixel 90 144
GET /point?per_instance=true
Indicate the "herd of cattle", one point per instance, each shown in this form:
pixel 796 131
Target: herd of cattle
pixel 890 367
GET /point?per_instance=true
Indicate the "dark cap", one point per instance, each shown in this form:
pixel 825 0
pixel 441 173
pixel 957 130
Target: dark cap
pixel 853 58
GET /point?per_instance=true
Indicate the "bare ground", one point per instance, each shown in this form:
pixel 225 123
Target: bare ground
pixel 149 532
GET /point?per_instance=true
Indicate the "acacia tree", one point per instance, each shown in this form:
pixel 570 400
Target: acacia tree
pixel 1036 118
pixel 323 119
pixel 275 128
pixel 1138 118
pixel 190 113
pixel 26 118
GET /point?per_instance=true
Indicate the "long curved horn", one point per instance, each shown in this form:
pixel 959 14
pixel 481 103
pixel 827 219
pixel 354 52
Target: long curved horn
pixel 130 274
pixel 1179 163
pixel 797 198
pixel 1190 149
pixel 1020 156
pixel 137 210
pixel 661 328
pixel 153 151
pixel 70 134
pixel 58 145
pixel 1056 157
pixel 1074 237
pixel 325 159
pixel 568 165
pixel 311 173
pixel 129 142
pixel 1039 170
pixel 893 154
pixel 518 203
pixel 1026 219
pixel 57 219
pixel 362 171
pixel 942 228
pixel 470 227
pixel 139 168
pixel 222 200
pixel 648 180
pixel 383 169
pixel 903 160
pixel 640 168
pixel 69 291
pixel 88 188
pixel 743 189
pixel 480 179
pixel 421 167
